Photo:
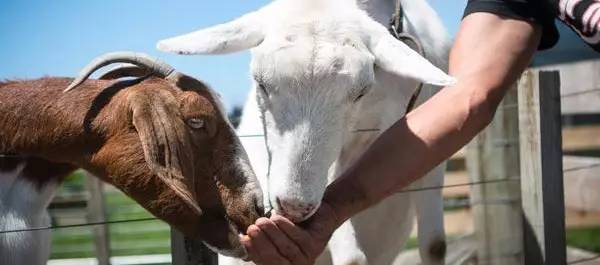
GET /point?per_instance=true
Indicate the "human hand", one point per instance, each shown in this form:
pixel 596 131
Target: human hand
pixel 278 241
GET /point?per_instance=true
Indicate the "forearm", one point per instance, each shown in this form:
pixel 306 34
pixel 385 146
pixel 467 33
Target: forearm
pixel 442 125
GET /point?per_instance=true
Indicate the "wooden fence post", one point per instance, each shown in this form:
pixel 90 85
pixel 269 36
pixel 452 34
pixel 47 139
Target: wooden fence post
pixel 493 156
pixel 541 168
pixel 97 213
pixel 185 251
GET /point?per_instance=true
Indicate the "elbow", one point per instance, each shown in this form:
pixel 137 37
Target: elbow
pixel 482 110
pixel 482 105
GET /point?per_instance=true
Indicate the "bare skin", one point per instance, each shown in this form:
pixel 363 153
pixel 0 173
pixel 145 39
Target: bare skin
pixel 488 56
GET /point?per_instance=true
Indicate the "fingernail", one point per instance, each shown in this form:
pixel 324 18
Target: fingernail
pixel 253 230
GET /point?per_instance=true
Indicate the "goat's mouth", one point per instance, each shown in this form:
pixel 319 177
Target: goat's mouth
pixel 239 214
pixel 242 223
pixel 296 217
pixel 243 204
pixel 236 250
pixel 222 236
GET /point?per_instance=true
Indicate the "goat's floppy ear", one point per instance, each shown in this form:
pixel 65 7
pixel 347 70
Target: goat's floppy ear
pixel 396 57
pixel 240 34
pixel 166 143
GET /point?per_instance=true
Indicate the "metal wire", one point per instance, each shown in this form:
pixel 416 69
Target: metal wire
pixel 584 260
pixel 262 135
pixel 569 95
pixel 79 225
pixel 581 168
pixel 403 191
pixel 579 93
pixel 154 218
pixel 10 156
pixel 458 185
pixel 251 135
pixel 357 131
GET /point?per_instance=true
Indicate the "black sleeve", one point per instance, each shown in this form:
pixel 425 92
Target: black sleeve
pixel 536 11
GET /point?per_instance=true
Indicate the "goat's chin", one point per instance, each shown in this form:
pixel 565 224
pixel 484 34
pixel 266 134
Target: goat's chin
pixel 223 236
pixel 297 218
pixel 233 249
pixel 238 251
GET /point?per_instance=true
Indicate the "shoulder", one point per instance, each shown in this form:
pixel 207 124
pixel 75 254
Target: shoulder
pixel 541 12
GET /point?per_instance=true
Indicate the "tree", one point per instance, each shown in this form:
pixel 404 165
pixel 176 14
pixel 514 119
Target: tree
pixel 235 116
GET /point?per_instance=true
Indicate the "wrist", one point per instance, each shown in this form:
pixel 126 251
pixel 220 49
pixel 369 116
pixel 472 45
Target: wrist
pixel 346 198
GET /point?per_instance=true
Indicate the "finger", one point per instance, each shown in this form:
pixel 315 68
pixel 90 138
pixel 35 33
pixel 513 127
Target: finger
pixel 297 234
pixel 286 246
pixel 265 251
pixel 247 243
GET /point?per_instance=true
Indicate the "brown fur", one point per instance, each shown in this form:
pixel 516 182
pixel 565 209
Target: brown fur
pixel 133 134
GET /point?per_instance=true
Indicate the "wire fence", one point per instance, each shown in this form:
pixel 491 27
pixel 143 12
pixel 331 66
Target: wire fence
pixel 467 184
pixel 579 261
pixel 569 95
pixel 410 190
pixel 580 93
pixel 79 225
pixel 153 219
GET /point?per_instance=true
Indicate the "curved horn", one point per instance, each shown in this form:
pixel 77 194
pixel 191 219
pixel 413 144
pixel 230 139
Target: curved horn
pixel 154 65
pixel 125 71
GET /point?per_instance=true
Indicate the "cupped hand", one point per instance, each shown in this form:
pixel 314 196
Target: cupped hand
pixel 278 241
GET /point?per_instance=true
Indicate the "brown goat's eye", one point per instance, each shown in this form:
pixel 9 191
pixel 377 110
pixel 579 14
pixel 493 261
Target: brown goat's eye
pixel 196 123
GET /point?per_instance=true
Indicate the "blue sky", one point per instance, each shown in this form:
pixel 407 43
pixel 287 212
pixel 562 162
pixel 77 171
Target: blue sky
pixel 57 38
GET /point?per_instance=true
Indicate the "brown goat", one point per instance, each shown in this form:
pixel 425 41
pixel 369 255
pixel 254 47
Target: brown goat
pixel 163 139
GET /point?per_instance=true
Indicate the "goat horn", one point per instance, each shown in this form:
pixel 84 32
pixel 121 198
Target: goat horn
pixel 125 71
pixel 154 65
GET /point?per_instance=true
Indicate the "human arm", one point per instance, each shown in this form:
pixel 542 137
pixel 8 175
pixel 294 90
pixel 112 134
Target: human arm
pixel 489 55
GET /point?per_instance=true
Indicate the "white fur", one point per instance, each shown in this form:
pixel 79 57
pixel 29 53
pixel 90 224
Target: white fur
pixel 23 206
pixel 313 58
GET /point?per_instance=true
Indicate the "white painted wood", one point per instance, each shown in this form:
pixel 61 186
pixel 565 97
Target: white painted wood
pixel 97 213
pixel 541 168
pixel 494 155
pixel 582 182
pixel 578 77
pixel 186 251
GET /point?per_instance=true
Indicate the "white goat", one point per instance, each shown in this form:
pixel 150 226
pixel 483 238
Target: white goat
pixel 322 71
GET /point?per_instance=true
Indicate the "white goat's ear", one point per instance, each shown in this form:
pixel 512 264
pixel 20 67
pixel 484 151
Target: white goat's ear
pixel 240 34
pixel 396 57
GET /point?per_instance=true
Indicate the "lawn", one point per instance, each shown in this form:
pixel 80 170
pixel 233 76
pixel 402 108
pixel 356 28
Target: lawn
pixel 153 237
pixel 585 238
pixel 136 238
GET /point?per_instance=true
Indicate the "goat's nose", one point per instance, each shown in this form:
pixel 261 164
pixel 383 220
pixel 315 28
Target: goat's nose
pixel 295 210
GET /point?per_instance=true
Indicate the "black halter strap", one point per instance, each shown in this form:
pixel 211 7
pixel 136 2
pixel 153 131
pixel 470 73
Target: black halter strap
pixel 396 28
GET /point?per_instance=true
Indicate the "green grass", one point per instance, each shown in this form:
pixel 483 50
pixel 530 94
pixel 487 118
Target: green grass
pixel 153 237
pixel 585 238
pixel 136 238
pixel 411 243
